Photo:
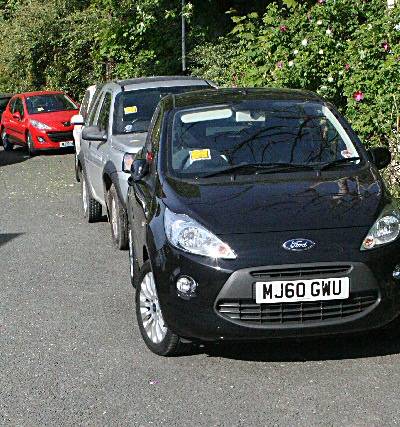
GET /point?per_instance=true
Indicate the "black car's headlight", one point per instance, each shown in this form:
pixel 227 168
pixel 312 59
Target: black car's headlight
pixel 188 235
pixel 385 230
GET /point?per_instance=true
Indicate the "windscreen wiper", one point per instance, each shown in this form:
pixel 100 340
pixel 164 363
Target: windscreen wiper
pixel 258 168
pixel 338 162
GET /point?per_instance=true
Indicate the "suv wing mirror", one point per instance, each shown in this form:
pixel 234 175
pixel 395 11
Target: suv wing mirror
pixel 139 169
pixel 77 120
pixel 380 156
pixel 93 133
pixel 17 115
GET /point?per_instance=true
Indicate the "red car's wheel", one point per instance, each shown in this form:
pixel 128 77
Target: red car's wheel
pixel 30 145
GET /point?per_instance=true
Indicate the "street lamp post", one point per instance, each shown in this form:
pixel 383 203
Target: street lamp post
pixel 183 38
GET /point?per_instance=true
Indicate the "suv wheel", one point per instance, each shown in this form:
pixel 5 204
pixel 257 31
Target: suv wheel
pixel 92 209
pixel 30 145
pixel 156 334
pixel 118 220
pixel 6 142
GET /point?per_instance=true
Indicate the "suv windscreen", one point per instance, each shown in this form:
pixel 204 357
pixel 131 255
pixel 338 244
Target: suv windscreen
pixel 51 103
pixel 257 133
pixel 133 110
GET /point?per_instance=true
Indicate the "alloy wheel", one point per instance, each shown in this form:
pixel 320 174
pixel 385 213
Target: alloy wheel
pixel 150 311
pixel 84 196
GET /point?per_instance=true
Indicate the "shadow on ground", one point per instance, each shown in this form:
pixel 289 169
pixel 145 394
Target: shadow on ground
pixel 333 348
pixel 17 155
pixel 7 237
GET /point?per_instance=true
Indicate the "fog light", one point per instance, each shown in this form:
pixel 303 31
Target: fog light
pixel 41 140
pixel 396 272
pixel 186 286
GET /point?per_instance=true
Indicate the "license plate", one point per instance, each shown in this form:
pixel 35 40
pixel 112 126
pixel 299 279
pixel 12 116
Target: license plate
pixel 67 144
pixel 302 290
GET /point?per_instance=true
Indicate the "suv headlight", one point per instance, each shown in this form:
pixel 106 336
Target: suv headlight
pixel 385 230
pixel 188 235
pixel 40 125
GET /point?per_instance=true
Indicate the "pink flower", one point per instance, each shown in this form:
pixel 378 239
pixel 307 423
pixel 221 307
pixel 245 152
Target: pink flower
pixel 279 64
pixel 358 95
pixel 347 67
pixel 385 46
pixel 283 28
pixel 321 1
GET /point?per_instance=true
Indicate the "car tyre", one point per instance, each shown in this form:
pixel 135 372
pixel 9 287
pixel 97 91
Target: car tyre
pixel 133 264
pixel 92 209
pixel 6 142
pixel 118 220
pixel 155 333
pixel 30 145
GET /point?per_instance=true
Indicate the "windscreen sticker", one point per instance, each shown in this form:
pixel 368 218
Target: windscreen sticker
pixel 200 155
pixel 40 109
pixel 130 110
pixel 346 154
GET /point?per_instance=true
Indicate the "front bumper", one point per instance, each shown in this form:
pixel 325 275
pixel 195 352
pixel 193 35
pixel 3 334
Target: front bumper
pixel 51 140
pixel 224 306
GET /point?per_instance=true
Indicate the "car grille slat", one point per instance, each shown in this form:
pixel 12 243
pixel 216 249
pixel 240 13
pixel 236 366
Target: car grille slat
pixel 61 136
pixel 301 272
pixel 248 312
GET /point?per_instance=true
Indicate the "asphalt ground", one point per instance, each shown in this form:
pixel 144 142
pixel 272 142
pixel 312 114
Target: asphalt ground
pixel 71 352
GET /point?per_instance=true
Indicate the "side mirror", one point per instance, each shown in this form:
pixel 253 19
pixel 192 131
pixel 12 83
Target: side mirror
pixel 380 156
pixel 139 169
pixel 93 133
pixel 77 120
pixel 17 116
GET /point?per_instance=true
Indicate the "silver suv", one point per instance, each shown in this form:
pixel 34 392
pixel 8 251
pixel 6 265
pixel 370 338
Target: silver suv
pixel 114 132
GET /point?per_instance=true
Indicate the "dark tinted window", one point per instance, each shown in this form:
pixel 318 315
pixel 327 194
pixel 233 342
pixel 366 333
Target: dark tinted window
pixel 19 107
pixel 104 115
pixel 49 103
pixel 133 110
pixel 256 132
pixel 12 105
pixel 94 107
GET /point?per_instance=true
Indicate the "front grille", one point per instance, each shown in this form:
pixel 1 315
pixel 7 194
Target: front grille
pixel 247 312
pixel 301 272
pixel 61 136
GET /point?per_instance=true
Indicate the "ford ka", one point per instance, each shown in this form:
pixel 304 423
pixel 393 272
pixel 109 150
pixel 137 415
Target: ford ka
pixel 258 214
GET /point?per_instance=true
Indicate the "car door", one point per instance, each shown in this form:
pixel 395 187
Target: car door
pixel 142 208
pixel 17 126
pixel 7 116
pixel 98 149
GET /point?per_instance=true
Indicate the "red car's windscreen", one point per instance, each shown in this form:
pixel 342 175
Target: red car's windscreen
pixel 40 104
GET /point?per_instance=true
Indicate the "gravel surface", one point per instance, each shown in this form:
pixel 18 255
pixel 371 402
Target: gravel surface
pixel 71 353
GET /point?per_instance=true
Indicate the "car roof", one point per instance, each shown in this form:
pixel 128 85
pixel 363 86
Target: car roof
pixel 159 81
pixel 41 92
pixel 221 96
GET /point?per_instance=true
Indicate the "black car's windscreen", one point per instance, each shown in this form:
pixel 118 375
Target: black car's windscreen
pixel 50 103
pixel 133 110
pixel 256 132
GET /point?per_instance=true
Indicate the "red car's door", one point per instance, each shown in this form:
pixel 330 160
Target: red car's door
pixel 7 116
pixel 16 126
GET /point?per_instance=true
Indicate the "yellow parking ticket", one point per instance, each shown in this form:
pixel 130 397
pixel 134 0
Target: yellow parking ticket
pixel 200 155
pixel 130 110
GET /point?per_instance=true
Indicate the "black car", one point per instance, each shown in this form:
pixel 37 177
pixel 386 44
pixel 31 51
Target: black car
pixel 4 100
pixel 258 214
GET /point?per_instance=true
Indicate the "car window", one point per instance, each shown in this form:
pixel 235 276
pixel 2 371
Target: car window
pixel 97 97
pixel 12 105
pixel 103 120
pixel 49 103
pixel 155 132
pixel 256 132
pixel 134 109
pixel 85 105
pixel 19 107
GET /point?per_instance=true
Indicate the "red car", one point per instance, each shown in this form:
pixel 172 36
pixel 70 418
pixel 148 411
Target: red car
pixel 38 120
